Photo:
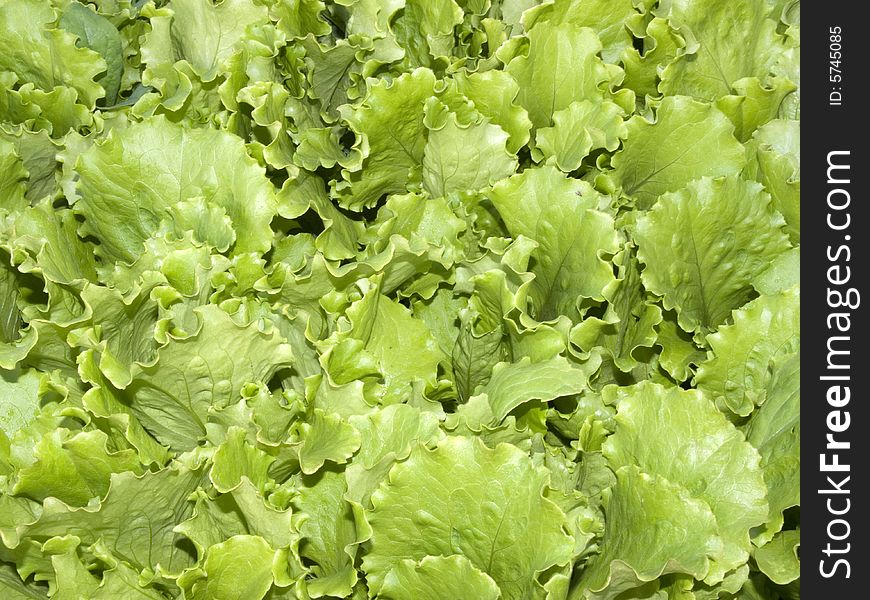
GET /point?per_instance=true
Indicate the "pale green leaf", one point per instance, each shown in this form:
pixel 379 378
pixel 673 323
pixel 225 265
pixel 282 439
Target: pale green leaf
pixel 681 436
pixel 438 578
pixel 456 500
pixel 74 469
pixel 573 237
pixel 737 371
pixel 97 33
pixel 460 158
pixel 172 397
pixel 774 429
pixel 19 399
pixel 577 130
pixel 236 459
pixel 44 56
pixel 562 66
pixel 328 534
pixel 607 18
pixel 390 123
pixel 135 521
pixel 238 569
pixel 699 271
pixel 326 437
pixel 654 527
pixel 727 42
pixel 513 384
pixel 687 140
pixel 200 32
pixel 778 559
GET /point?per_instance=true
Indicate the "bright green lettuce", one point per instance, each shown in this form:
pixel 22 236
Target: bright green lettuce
pixel 679 436
pixel 573 70
pixel 128 172
pixel 725 42
pixel 700 272
pixel 436 577
pixel 688 140
pixel 738 370
pixel 573 236
pixel 456 500
pixel 399 299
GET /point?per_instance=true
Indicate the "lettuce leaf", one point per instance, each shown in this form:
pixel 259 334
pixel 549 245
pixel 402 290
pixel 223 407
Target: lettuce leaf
pixel 399 299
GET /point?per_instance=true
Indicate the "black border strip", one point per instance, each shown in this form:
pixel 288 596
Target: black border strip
pixel 835 236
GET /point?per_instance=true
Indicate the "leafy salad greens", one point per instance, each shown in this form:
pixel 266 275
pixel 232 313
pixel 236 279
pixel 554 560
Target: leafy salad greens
pixel 399 299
